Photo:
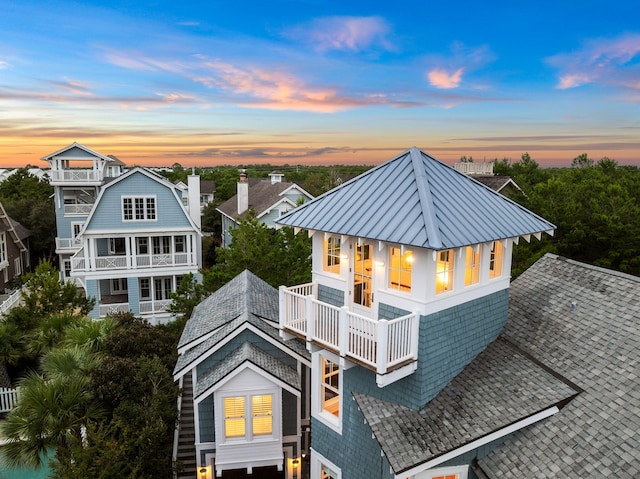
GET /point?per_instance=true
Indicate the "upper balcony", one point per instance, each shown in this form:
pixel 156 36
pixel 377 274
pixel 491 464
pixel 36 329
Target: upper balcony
pixel 76 177
pixel 387 347
pixel 81 263
pixel 67 245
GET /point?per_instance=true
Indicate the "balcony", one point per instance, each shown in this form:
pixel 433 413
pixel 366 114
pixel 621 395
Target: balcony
pixel 113 308
pixel 78 209
pixel 110 262
pixel 157 306
pixel 68 244
pixel 78 176
pixel 383 346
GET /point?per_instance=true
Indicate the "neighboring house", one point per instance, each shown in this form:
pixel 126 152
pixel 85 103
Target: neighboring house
pixel 207 191
pixel 127 240
pixel 483 172
pixel 410 290
pixel 245 394
pixel 14 252
pixel 268 199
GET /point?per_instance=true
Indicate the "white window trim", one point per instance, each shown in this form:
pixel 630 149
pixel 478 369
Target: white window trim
pixel 133 199
pixel 335 423
pixel 4 258
pixel 17 266
pixel 461 471
pixel 120 289
pixel 317 460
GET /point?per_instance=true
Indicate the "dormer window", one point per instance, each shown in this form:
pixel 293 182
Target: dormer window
pixel 332 255
pixel 495 261
pixel 444 271
pixel 472 266
pixel 400 266
pixel 141 208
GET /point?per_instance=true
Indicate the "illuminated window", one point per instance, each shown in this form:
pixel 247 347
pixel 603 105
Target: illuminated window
pixel 234 418
pixel 400 269
pixel 330 387
pixel 444 271
pixel 472 266
pixel 495 262
pixel 236 414
pixel 362 276
pixel 327 473
pixel 448 476
pixel 453 472
pixel 262 414
pixel 332 255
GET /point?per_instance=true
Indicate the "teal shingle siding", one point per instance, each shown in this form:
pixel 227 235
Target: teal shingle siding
pixel 235 343
pixel 108 212
pixel 289 414
pixel 474 324
pixel 205 420
pixel 331 296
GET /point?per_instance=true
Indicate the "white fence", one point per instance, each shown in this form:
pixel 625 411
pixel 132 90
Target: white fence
pixel 8 399
pixel 10 301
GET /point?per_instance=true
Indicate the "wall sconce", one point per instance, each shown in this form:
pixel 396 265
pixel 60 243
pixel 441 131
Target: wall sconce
pixel 295 462
pixel 344 256
pixel 203 472
pixel 379 264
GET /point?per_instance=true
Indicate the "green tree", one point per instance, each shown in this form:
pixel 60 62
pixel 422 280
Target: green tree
pixel 29 200
pixel 188 295
pixel 582 161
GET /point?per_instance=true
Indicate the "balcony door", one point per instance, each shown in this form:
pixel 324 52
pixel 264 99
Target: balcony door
pixel 362 279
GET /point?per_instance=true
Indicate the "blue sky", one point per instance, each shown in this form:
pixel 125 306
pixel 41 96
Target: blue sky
pixel 320 82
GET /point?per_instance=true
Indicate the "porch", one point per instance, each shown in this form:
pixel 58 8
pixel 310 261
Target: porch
pixel 79 261
pixel 383 346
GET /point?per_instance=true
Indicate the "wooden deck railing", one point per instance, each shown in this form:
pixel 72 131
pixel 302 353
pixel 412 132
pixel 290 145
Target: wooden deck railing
pixel 378 344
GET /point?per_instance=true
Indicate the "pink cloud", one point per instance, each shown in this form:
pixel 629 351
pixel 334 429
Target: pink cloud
pixel 608 61
pixel 344 33
pixel 440 78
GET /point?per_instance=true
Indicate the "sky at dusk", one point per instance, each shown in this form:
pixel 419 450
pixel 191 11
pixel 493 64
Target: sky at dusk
pixel 319 82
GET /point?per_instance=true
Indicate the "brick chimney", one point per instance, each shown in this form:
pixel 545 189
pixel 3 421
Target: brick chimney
pixel 243 193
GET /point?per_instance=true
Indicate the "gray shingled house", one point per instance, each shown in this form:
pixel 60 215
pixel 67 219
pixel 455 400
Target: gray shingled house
pixel 245 389
pixel 267 198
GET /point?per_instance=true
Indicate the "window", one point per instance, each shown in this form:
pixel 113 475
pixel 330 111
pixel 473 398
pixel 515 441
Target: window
pixel 444 271
pixel 400 265
pixel 117 246
pixel 142 245
pixel 180 242
pixel 452 472
pixel 327 473
pixel 17 266
pixel 234 418
pixel 259 408
pixel 362 276
pixel 118 285
pixel 145 288
pixel 472 266
pixel 3 248
pixel 495 261
pixel 67 268
pixel 332 255
pixel 161 244
pixel 162 288
pixel 330 387
pixel 139 208
pixel 75 227
pixel 322 468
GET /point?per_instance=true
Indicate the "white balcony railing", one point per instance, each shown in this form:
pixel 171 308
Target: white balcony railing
pixel 471 168
pixel 78 209
pixel 380 344
pixel 76 175
pixel 158 306
pixel 111 262
pixel 9 301
pixel 68 243
pixel 113 308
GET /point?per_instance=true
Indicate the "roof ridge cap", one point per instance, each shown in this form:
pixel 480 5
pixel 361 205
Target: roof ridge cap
pixel 426 200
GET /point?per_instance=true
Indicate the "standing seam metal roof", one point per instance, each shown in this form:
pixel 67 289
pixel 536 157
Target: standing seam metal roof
pixel 415 199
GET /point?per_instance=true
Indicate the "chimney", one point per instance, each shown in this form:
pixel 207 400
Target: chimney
pixel 243 193
pixel 193 187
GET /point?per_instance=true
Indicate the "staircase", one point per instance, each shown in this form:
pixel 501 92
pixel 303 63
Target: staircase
pixel 186 452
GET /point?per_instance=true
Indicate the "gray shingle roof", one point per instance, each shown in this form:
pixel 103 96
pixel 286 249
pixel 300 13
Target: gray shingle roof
pixel 246 293
pixel 498 388
pixel 246 299
pixel 584 323
pixel 417 200
pixel 248 353
pixel 262 196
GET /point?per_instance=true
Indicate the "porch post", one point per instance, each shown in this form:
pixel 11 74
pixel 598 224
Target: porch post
pixel 382 346
pixel 343 331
